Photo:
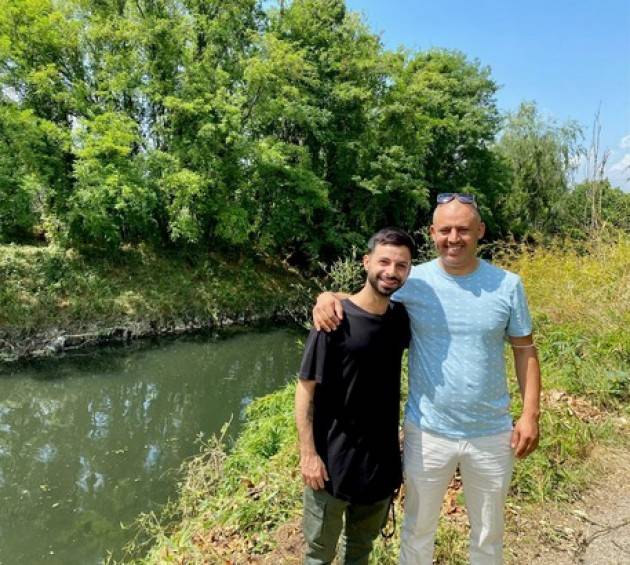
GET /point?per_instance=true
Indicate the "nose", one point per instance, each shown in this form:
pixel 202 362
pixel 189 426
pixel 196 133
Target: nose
pixel 453 235
pixel 390 271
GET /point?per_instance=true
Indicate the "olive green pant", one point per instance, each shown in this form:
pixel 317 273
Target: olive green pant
pixel 323 521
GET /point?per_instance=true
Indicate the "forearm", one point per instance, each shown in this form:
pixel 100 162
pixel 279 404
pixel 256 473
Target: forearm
pixel 312 467
pixel 527 370
pixel 304 410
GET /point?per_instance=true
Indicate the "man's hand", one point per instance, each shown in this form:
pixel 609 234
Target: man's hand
pixel 327 312
pixel 313 471
pixel 525 436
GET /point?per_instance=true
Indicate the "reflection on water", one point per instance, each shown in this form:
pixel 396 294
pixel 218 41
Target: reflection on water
pixel 87 443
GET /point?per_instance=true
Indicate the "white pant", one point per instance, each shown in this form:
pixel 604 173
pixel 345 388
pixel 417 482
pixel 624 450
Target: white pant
pixel 430 461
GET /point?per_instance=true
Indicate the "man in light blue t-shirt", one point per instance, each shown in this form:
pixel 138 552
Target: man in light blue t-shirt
pixel 461 310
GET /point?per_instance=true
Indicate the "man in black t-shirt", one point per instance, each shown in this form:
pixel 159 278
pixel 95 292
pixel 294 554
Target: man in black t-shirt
pixel 347 410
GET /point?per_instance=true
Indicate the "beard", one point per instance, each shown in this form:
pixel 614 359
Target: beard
pixel 377 284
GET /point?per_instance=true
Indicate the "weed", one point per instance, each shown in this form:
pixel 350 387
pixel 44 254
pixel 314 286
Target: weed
pixel 49 289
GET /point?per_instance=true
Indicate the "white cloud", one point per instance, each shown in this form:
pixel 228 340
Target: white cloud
pixel 619 172
pixel 625 142
pixel 623 165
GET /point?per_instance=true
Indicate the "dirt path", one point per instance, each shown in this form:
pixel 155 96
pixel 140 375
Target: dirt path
pixel 593 531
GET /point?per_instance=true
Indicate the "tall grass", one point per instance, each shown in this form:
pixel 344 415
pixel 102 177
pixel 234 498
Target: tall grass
pixel 48 288
pixel 231 504
pixel 580 303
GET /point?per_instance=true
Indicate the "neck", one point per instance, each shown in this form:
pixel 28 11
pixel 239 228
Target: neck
pixel 370 300
pixel 463 270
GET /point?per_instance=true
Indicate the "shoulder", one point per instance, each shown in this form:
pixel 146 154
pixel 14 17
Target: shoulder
pixel 318 356
pixel 423 270
pixel 420 278
pixel 321 344
pixel 507 279
pixel 319 338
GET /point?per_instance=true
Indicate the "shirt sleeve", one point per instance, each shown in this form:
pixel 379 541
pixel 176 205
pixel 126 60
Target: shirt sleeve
pixel 407 294
pixel 520 323
pixel 402 294
pixel 316 358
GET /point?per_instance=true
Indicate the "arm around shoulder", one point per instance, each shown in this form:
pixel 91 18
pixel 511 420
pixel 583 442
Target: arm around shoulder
pixel 328 311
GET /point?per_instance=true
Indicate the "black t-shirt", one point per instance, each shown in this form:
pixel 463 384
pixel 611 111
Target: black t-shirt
pixel 357 401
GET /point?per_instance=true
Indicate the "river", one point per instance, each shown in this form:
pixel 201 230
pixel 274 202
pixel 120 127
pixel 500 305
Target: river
pixel 88 442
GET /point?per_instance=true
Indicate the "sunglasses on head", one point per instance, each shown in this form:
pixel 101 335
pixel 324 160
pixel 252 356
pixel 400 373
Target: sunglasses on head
pixel 445 197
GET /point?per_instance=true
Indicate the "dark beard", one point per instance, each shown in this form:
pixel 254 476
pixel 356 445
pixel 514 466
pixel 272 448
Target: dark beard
pixel 382 291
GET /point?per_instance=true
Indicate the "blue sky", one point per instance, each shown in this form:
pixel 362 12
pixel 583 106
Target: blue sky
pixel 571 57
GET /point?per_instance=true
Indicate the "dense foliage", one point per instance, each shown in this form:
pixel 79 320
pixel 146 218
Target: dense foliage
pixel 286 131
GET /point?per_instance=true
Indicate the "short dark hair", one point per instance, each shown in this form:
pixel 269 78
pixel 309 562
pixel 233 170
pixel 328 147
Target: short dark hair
pixel 391 236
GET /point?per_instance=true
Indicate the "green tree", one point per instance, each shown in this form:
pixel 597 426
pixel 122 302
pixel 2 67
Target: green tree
pixel 540 155
pixel 32 168
pixel 40 56
pixel 287 131
pixel 18 182
pixel 204 127
pixel 576 207
pixel 312 81
pixel 430 133
pixel 110 202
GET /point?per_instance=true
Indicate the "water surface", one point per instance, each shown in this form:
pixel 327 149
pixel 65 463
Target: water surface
pixel 89 442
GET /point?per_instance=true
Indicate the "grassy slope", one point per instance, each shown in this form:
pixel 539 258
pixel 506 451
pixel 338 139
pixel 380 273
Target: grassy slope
pixel 44 289
pixel 231 505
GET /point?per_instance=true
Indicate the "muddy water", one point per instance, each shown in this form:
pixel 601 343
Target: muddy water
pixel 89 442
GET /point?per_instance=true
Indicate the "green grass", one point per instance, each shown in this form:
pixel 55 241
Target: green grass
pixel 232 504
pixel 51 289
pixel 251 491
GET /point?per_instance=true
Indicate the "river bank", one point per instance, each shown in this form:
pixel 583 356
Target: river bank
pixel 53 300
pixel 244 506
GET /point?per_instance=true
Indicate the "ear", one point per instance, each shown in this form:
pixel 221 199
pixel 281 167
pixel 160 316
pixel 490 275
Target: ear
pixel 366 261
pixel 432 231
pixel 482 230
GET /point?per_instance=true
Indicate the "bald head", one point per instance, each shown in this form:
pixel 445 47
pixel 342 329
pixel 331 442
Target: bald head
pixel 456 203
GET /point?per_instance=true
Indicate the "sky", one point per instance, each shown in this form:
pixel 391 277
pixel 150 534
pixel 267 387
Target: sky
pixel 570 57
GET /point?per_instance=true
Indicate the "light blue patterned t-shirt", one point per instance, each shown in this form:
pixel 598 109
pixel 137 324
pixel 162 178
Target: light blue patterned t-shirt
pixel 457 380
